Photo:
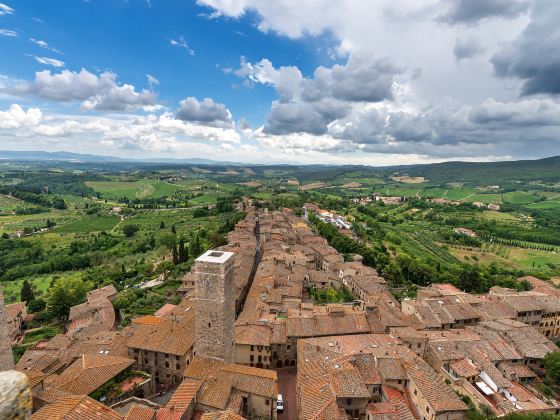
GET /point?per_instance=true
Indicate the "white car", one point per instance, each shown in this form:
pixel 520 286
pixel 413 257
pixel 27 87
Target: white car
pixel 280 404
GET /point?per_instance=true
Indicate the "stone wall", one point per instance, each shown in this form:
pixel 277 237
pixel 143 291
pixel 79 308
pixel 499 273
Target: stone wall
pixel 6 356
pixel 16 401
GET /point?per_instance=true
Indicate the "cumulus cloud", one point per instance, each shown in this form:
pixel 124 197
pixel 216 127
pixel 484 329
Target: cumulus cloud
pixel 6 10
pixel 8 32
pixel 15 117
pixel 149 133
pixel 205 112
pixel 49 61
pixel 181 43
pixel 285 79
pixel 311 104
pixel 102 93
pixel 473 11
pixel 534 56
pixel 467 48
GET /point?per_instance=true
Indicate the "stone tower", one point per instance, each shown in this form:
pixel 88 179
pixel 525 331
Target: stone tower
pixel 6 356
pixel 215 305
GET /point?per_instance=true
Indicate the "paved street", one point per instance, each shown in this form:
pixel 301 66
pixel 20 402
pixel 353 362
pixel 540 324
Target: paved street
pixel 287 387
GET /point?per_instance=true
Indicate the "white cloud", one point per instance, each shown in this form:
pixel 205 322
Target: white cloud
pixel 44 44
pixel 15 117
pixel 6 10
pixel 49 61
pixel 102 93
pixel 181 43
pixel 8 32
pixel 205 112
pixel 152 81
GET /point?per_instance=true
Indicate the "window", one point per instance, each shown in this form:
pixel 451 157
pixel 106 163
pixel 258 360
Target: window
pixel 251 357
pixel 427 409
pixel 252 348
pixel 267 402
pixel 166 364
pixel 177 358
pixel 208 325
pixel 415 392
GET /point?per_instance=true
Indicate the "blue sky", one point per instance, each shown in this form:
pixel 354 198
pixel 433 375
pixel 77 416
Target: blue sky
pixel 345 81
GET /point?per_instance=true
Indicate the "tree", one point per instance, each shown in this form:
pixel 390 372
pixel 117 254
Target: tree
pixel 26 293
pixel 130 230
pixel 183 251
pixel 552 364
pixel 65 293
pixel 161 225
pixel 36 305
pixel 175 256
pixel 195 247
pixel 173 230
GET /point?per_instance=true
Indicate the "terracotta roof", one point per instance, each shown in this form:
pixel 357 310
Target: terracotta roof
pixel 258 335
pixel 164 335
pixel 34 376
pixel 222 415
pixel 147 320
pixel 440 396
pixel 13 309
pixel 220 380
pixel 183 395
pixel 464 368
pixel 102 292
pixel 348 383
pixel 165 309
pixel 76 408
pixel 89 372
pixel 138 412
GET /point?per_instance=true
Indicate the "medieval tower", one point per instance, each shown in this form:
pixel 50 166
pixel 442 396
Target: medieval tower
pixel 6 356
pixel 215 305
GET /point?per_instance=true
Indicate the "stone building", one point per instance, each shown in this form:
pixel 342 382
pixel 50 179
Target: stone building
pixel 215 308
pixel 6 356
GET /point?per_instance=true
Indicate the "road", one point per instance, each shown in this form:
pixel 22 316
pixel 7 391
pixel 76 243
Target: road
pixel 287 387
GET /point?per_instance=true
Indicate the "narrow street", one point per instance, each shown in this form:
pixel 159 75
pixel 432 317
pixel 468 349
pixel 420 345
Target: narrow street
pixel 287 380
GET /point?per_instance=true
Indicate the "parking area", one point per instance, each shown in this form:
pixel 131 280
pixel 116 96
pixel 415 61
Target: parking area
pixel 287 387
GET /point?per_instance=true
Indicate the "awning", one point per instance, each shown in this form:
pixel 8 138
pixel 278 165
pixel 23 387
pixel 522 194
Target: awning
pixel 484 388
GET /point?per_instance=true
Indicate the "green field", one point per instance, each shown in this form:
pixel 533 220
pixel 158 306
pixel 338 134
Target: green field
pixel 90 224
pixel 206 198
pixel 484 198
pixel 459 193
pixel 40 283
pixel 263 195
pixel 549 204
pixel 519 197
pixel 142 189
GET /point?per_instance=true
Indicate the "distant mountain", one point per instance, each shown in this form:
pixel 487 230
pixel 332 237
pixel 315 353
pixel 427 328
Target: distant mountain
pixel 79 157
pixel 521 170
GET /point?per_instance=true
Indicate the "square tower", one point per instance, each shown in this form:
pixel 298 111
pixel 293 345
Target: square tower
pixel 215 305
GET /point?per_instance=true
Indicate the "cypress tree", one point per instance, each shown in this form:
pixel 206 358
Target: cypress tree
pixel 183 251
pixel 195 247
pixel 27 294
pixel 175 256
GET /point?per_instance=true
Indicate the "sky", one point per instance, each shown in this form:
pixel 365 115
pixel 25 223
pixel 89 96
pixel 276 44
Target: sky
pixel 375 82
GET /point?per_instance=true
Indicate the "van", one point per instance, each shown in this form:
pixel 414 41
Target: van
pixel 280 404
